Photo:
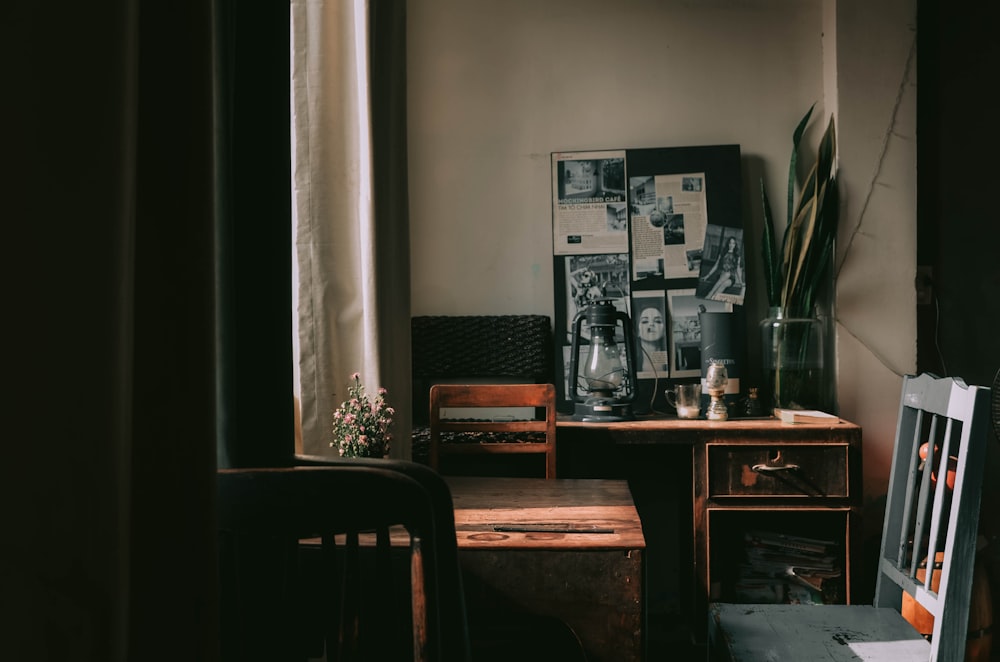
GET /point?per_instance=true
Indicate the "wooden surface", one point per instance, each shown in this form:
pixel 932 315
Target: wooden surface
pixel 556 514
pixel 592 581
pixel 691 430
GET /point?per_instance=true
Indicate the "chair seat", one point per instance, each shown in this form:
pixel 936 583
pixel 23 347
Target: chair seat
pixel 818 633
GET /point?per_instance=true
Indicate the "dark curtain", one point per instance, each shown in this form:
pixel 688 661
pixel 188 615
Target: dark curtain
pixel 147 312
pixel 254 233
pixel 392 208
pixel 110 333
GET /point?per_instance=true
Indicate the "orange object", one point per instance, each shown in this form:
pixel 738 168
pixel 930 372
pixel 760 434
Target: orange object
pixel 952 463
pixel 979 644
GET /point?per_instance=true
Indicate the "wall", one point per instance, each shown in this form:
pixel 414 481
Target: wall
pixel 495 88
pixel 876 298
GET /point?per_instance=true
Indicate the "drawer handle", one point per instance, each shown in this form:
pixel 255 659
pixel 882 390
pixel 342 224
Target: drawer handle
pixel 766 468
pixel 781 472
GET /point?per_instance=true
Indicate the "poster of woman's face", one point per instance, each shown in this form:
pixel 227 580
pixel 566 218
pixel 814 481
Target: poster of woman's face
pixel 650 321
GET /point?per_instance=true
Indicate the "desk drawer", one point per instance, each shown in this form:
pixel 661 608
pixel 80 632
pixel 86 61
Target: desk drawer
pixel 778 470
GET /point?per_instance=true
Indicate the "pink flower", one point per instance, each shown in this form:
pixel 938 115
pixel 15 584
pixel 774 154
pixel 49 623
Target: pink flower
pixel 361 423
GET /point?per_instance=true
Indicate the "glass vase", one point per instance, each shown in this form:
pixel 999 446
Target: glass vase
pixel 792 355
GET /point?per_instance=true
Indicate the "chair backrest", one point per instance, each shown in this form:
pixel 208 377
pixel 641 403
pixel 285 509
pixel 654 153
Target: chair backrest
pixel 349 594
pixel 453 348
pixel 472 435
pixel 932 511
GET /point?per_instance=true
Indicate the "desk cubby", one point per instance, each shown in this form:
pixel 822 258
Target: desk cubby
pixel 728 544
pixel 792 479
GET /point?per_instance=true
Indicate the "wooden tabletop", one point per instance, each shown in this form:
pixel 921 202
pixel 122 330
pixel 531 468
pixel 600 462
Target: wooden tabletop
pixel 539 513
pixel 767 423
pixel 673 431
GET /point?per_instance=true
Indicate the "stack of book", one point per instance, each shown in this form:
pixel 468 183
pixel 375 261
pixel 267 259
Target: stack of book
pixel 781 568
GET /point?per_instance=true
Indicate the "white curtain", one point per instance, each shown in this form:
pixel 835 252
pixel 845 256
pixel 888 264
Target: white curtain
pixel 351 238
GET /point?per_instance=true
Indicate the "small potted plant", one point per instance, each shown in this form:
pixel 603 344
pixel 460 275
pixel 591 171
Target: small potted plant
pixel 361 424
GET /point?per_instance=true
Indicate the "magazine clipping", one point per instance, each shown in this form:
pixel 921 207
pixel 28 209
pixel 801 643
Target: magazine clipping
pixel 668 216
pixel 589 212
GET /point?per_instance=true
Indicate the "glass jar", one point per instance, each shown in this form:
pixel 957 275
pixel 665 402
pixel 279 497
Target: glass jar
pixel 792 356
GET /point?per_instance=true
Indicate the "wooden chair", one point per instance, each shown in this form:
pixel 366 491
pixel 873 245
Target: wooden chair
pixel 474 349
pixel 477 435
pixel 361 602
pixel 924 518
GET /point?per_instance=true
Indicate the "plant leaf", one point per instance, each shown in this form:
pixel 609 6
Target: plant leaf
pixel 814 229
pixel 792 179
pixel 789 236
pixel 772 273
pixel 795 275
pixel 794 237
pixel 828 232
pixel 806 222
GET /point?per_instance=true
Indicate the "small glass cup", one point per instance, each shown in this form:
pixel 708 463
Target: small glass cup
pixel 686 399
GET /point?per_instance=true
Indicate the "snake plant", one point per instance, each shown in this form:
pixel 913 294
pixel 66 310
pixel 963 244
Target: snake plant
pixel 794 276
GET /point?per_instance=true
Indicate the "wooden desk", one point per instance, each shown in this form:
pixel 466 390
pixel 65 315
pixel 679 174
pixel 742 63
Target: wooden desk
pixel 566 548
pixel 823 498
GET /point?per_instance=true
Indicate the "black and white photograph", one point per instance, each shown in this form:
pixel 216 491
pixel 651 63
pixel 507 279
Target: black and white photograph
pixel 593 277
pixel 592 180
pixel 662 212
pixel 650 321
pixel 673 230
pixel 722 275
pixel 693 260
pixel 685 330
pixel 617 215
pixel 692 184
pixel 642 195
